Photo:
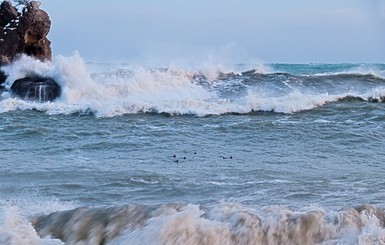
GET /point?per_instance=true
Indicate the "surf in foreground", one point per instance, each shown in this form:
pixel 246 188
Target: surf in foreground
pixel 124 89
pixel 224 223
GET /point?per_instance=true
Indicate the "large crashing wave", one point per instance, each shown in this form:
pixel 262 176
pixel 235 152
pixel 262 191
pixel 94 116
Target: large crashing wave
pixel 224 223
pixel 112 90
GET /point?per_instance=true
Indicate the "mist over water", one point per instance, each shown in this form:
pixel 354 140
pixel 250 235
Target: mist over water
pixel 272 154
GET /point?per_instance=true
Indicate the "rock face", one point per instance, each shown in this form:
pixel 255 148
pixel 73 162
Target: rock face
pixel 24 33
pixel 39 89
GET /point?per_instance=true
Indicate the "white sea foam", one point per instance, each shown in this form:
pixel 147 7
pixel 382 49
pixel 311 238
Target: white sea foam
pixel 117 90
pixel 16 229
pixel 292 102
pixel 223 223
pixel 359 69
pixel 377 93
pixel 237 224
pixel 364 70
pixel 15 214
pixel 34 220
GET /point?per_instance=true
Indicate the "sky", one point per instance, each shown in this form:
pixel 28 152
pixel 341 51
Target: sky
pixel 237 31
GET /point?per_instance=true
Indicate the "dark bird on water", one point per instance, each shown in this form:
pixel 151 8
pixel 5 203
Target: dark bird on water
pixel 231 157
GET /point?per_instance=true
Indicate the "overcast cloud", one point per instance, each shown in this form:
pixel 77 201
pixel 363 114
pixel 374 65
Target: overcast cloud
pixel 168 31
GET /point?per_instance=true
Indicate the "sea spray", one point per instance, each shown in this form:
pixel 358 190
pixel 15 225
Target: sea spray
pixel 225 223
pixel 16 212
pixel 110 91
pixel 16 229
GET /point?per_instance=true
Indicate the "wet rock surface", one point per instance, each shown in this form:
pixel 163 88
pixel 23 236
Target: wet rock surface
pixel 39 89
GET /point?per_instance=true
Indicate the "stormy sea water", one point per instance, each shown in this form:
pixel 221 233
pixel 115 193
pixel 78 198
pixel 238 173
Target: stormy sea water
pixel 129 154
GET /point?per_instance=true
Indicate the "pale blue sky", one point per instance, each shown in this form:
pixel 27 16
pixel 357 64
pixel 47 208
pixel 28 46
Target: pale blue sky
pixel 268 31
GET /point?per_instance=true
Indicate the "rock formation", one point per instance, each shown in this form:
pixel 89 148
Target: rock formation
pixel 25 33
pixel 40 89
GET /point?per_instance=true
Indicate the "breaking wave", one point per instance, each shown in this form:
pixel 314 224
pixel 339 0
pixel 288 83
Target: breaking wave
pixel 112 90
pixel 223 223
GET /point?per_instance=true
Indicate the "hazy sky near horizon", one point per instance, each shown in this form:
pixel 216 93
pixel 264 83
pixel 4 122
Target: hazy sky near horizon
pixel 165 31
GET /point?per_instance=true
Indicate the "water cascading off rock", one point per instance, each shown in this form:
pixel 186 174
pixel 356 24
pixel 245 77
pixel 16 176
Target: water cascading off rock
pixel 39 89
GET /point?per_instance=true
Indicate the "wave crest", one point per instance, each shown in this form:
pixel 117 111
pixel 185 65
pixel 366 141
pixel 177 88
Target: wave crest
pixel 225 223
pixel 111 90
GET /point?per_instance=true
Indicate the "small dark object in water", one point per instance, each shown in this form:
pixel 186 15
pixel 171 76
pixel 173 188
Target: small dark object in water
pixel 3 77
pixel 40 89
pixel 231 157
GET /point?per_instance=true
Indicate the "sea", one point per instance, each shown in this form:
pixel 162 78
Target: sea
pixel 211 154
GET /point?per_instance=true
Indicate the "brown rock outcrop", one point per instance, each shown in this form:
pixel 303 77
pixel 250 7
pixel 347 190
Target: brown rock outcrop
pixel 24 33
pixel 7 13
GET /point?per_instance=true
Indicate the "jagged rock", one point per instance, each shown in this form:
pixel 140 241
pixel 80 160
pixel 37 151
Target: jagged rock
pixel 35 23
pixel 7 13
pixel 39 89
pixel 24 33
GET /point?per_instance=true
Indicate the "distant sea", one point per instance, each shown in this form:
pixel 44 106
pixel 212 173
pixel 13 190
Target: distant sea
pixel 241 154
